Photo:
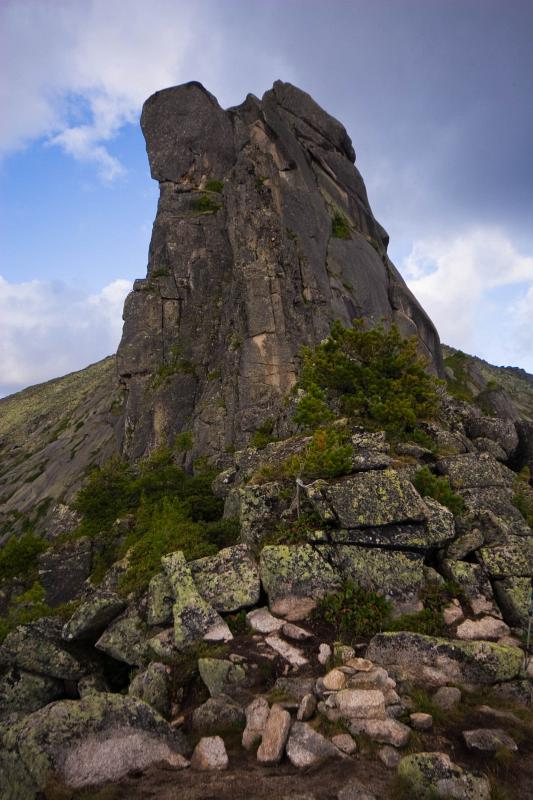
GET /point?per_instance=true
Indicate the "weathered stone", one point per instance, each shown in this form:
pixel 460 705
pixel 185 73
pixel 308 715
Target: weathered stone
pixel 160 600
pixel 489 740
pixel 153 687
pixel 367 499
pixel 217 715
pixel 275 735
pixel 501 431
pixel 291 631
pixel 307 708
pixel 229 580
pixel 210 754
pixel 95 740
pixel 440 524
pixel 466 544
pixel 92 684
pixel 484 445
pixel 334 680
pixel 296 570
pixel 93 616
pixel 37 647
pixel 452 614
pixel 355 790
pixel 262 621
pixel 296 688
pixel 126 640
pixel 447 697
pixel 342 653
pixel 375 678
pixel 194 618
pixel 345 743
pixel 220 675
pixel 360 664
pixel 63 571
pixel 514 598
pixel 434 662
pixel 514 558
pixel 484 628
pixel 21 692
pixel 293 608
pixel 258 509
pixel 420 721
pixel 386 731
pixel 472 470
pixel 287 651
pixel 475 585
pixel 361 703
pixel 256 718
pixel 389 756
pixel 430 774
pixel 324 653
pixel 308 748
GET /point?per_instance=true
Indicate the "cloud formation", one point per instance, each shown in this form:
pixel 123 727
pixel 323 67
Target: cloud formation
pixel 49 329
pixel 479 291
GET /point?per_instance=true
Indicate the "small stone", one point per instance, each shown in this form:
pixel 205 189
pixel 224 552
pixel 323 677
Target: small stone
pixel 452 614
pixel 489 740
pixel 334 680
pixel 420 721
pixel 292 631
pixel 306 708
pixel 275 734
pixel 497 713
pixel 355 791
pixel 345 743
pixel 376 678
pixel 361 703
pixel 389 756
pixel 360 664
pixel 216 714
pixel 308 748
pixel 446 697
pixel 261 620
pixel 286 651
pixel 324 653
pixel 293 608
pixel 256 718
pixel 487 628
pixel 387 731
pixel 210 754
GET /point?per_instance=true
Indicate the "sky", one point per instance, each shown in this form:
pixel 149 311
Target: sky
pixel 437 96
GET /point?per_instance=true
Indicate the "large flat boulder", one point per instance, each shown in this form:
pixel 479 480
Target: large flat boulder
pixel 297 570
pixel 229 580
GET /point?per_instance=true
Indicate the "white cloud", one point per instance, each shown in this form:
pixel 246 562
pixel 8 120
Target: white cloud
pixel 49 329
pixel 75 71
pixel 478 289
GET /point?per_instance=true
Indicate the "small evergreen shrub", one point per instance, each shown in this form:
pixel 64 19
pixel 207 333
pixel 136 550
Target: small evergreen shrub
pixel 372 376
pixel 214 186
pixel 353 611
pixel 18 557
pixel 340 228
pixel 183 442
pixel 328 455
pixel 205 204
pixel 430 485
pixel 523 495
pixel 263 435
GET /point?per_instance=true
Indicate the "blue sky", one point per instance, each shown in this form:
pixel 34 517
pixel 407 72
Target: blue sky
pixel 437 96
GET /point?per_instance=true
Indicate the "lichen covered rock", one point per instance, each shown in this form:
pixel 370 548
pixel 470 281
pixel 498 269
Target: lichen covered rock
pixel 296 570
pixel 229 580
pixel 427 775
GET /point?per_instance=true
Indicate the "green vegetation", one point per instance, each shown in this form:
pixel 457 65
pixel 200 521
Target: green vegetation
pixel 166 508
pixel 340 229
pixel 353 611
pixel 429 621
pixel 458 386
pixel 163 272
pixel 175 364
pixel 429 485
pixel 183 442
pixel 372 376
pixel 523 495
pixel 18 557
pixel 328 455
pixel 205 205
pixel 214 186
pixel 30 606
pixel 263 435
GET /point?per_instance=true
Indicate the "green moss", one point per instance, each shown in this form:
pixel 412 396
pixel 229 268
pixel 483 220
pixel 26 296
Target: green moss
pixel 163 272
pixel 175 364
pixel 340 228
pixel 214 186
pixel 205 204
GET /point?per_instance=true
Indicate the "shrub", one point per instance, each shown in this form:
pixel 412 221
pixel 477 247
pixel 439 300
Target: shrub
pixel 328 455
pixel 429 621
pixel 183 442
pixel 374 377
pixel 429 485
pixel 205 205
pixel 263 435
pixel 340 228
pixel 214 186
pixel 18 557
pixel 353 611
pixel 523 495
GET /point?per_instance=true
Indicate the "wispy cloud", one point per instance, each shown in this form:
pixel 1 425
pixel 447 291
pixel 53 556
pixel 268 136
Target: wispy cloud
pixel 478 289
pixel 49 329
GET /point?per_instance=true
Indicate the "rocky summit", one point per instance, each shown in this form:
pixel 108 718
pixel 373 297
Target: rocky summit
pixel 283 542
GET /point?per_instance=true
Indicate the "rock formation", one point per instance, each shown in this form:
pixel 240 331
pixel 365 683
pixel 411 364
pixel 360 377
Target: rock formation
pixel 264 235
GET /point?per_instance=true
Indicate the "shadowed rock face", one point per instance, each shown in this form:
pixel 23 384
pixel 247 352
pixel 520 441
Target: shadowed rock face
pixel 244 264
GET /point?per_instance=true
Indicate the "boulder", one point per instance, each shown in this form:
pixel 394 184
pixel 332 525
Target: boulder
pixel 489 740
pixel 220 675
pixel 514 598
pixel 379 497
pixel 256 718
pixel 297 688
pixel 345 743
pixel 420 721
pixel 126 640
pixel 514 558
pixel 229 580
pixel 194 618
pixel 487 628
pixel 361 703
pixel 475 585
pixel 95 740
pixel 38 647
pixel 262 621
pixel 160 600
pixel 427 775
pixel 501 431
pixel 296 570
pixel 307 708
pixel 275 735
pixel 475 470
pixel 386 731
pixel 210 754
pixel 334 680
pixel 287 651
pixel 389 756
pixel 63 571
pixel 308 748
pixel 447 697
pixel 217 715
pixel 258 509
pixel 153 686
pixel 433 661
pixel 21 692
pixel 93 616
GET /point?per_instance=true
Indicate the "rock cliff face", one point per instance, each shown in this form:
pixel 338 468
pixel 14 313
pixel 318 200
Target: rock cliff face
pixel 263 236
